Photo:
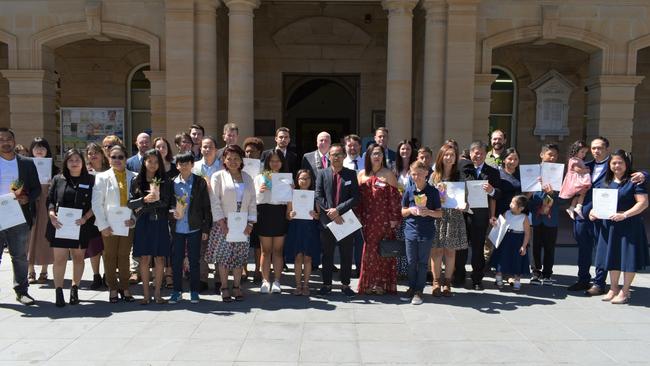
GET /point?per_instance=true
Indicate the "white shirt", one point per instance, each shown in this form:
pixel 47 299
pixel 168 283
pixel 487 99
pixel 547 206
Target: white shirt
pixel 598 169
pixel 8 174
pixel 349 163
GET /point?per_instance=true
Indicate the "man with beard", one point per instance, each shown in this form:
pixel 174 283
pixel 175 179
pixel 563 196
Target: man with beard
pixel 498 140
pixel 15 168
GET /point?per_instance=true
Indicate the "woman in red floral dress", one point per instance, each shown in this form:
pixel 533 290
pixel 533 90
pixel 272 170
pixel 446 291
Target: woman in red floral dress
pixel 379 213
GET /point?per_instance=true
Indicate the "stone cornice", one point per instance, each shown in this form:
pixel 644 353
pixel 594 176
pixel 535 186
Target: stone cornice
pixel 614 81
pixel 399 7
pixel 29 75
pixel 242 6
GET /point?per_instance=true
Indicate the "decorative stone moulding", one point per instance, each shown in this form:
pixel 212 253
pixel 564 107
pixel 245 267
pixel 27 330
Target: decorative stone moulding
pixel 552 113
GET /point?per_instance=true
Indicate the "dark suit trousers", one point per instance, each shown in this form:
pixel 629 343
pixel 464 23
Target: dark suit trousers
pixel 328 241
pixel 544 237
pixel 477 226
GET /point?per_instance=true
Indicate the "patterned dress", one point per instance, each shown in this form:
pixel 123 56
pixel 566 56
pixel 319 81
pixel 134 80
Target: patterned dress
pixel 224 253
pixel 379 204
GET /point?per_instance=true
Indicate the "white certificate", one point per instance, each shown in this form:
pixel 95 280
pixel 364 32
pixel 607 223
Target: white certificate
pixel 116 217
pixel 11 213
pixel 476 195
pixel 303 203
pixel 552 173
pixel 529 176
pixel 44 168
pixel 69 228
pixel 605 202
pixel 237 222
pixel 453 195
pixel 252 167
pixel 281 190
pixel 499 231
pixel 350 224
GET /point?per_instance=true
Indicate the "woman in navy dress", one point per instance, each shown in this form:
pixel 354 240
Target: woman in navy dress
pixel 150 200
pixel 622 241
pixel 510 183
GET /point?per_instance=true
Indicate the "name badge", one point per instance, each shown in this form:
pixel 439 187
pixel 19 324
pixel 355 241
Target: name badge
pixel 86 186
pixel 347 183
pixel 380 184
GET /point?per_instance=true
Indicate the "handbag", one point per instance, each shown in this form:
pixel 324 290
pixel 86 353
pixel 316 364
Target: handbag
pixel 391 248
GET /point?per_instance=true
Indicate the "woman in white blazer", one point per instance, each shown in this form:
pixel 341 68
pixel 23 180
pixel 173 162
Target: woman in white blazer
pixel 231 190
pixel 111 191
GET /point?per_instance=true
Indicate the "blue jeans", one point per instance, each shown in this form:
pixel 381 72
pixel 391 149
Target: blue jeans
pixel 417 255
pixel 584 233
pixel 16 240
pixel 193 241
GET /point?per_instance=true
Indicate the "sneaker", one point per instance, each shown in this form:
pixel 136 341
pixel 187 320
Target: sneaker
pixel 25 299
pixel 535 280
pixel 571 212
pixel 547 281
pixel 498 281
pixel 517 285
pixel 275 288
pixel 417 299
pixel 347 291
pixel 408 295
pixel 194 297
pixel 175 297
pixel 266 287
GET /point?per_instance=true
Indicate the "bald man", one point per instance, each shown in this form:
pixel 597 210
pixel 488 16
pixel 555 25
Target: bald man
pixel 143 142
pixel 319 158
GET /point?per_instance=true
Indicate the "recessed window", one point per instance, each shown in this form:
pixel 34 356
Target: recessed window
pixel 503 104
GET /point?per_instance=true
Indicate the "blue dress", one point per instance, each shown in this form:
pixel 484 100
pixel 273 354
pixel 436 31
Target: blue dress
pixel 510 187
pixel 303 236
pixel 506 258
pixel 151 236
pixel 623 246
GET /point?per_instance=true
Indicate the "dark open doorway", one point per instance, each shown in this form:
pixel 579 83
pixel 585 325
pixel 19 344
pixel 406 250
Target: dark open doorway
pixel 315 103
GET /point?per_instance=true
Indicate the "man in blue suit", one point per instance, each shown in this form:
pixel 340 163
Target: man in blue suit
pixel 585 231
pixel 143 142
pixel 381 139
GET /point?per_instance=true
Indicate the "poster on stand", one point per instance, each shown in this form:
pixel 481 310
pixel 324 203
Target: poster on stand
pixel 80 126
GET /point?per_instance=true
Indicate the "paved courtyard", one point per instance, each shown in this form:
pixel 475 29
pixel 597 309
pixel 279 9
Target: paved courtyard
pixel 539 326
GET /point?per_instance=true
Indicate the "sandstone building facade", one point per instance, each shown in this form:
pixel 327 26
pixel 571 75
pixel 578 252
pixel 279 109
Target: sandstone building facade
pixel 543 70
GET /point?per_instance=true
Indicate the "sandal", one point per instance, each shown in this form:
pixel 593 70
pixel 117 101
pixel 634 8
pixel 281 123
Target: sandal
pixel 378 290
pixel 145 301
pixel 112 299
pixel 225 294
pixel 161 301
pixel 237 294
pixel 169 281
pixel 298 290
pixel 126 298
pixel 42 278
pixel 305 290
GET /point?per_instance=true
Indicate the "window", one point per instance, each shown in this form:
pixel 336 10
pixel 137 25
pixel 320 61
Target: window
pixel 503 104
pixel 139 105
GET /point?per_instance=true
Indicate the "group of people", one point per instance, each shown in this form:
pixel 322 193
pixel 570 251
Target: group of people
pixel 177 214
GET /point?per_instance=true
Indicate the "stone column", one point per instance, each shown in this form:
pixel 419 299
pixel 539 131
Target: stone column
pixel 206 65
pixel 241 93
pixel 482 100
pixel 610 109
pixel 433 94
pixel 459 76
pixel 180 76
pixel 32 105
pixel 399 68
pixel 158 103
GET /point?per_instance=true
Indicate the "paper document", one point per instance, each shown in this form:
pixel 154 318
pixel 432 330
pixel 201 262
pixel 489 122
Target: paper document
pixel 552 174
pixel 529 175
pixel 11 213
pixel 237 222
pixel 452 194
pixel 605 202
pixel 350 224
pixel 252 167
pixel 303 203
pixel 69 228
pixel 281 190
pixel 44 169
pixel 499 231
pixel 116 217
pixel 476 195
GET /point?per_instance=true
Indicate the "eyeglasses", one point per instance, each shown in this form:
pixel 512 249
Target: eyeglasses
pixel 117 157
pixel 339 155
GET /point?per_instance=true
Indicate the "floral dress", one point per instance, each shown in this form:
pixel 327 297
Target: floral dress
pixel 379 204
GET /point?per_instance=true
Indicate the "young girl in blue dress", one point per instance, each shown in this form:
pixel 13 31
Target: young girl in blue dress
pixel 302 245
pixel 511 256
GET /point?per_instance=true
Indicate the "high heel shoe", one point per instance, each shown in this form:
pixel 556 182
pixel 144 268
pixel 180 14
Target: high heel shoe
pixel 620 300
pixel 60 300
pixel 126 298
pixel 611 294
pixel 113 299
pixel 74 295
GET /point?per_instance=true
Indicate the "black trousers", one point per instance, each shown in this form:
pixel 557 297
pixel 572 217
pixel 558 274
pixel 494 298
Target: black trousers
pixel 544 237
pixel 477 226
pixel 328 242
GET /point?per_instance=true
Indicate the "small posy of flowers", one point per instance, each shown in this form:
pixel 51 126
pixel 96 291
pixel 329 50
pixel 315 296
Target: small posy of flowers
pixel 17 187
pixel 181 204
pixel 156 181
pixel 420 200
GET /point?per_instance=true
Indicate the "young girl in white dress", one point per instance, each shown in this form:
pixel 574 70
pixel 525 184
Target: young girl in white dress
pixel 511 256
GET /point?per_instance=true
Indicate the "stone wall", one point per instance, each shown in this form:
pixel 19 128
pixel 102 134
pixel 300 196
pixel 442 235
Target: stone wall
pixel 529 62
pixel 4 89
pixel 641 137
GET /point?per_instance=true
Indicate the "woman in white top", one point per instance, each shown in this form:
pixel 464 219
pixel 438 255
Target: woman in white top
pixel 272 224
pixel 231 190
pixel 407 155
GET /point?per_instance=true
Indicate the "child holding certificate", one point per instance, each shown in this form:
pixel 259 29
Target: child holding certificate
pixel 511 257
pixel 577 180
pixel 302 245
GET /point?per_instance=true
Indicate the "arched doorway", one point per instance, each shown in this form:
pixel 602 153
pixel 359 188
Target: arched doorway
pixel 320 103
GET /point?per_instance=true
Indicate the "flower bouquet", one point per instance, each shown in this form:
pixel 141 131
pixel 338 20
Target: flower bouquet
pixel 420 200
pixel 154 186
pixel 181 205
pixel 17 187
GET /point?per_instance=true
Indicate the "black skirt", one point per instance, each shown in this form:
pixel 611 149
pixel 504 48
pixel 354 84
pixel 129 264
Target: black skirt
pixel 271 220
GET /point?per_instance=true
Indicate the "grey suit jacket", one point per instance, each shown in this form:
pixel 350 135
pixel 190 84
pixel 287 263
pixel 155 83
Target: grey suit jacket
pixel 312 162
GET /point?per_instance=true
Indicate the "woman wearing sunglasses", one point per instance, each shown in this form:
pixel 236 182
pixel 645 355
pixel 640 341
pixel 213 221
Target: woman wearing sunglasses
pixel 111 192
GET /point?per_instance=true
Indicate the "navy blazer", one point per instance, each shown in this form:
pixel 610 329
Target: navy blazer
pixel 324 195
pixel 28 174
pixel 134 163
pixel 468 172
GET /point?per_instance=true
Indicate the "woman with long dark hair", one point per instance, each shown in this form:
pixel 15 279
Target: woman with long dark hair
pixel 96 162
pixel 150 201
pixel 406 154
pixel 71 189
pixel 38 250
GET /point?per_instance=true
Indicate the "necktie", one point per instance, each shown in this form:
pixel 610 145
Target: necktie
pixel 356 165
pixel 337 188
pixel 478 172
pixel 323 160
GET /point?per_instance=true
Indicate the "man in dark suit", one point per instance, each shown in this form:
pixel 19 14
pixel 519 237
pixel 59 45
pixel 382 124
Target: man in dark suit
pixel 143 142
pixel 230 137
pixel 14 167
pixel 318 159
pixel 282 140
pixel 337 192
pixel 477 223
pixel 381 139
